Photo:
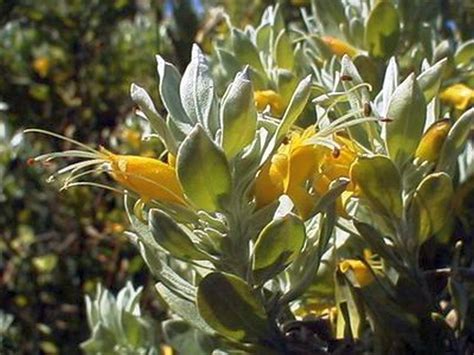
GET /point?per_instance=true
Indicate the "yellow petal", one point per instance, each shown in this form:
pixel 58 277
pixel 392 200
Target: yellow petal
pixel 267 189
pixel 270 98
pixel 301 166
pixel 458 95
pixel 361 271
pixel 304 202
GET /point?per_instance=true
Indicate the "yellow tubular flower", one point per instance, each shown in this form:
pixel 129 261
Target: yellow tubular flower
pixel 458 95
pixel 286 173
pixel 150 178
pixel 339 47
pixel 361 271
pixel 432 141
pixel 333 165
pixel 270 98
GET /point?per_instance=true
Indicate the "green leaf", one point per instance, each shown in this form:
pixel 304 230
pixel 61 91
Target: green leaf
pixel 295 107
pixel 429 207
pixel 380 183
pixel 382 30
pixel 336 188
pixel 171 237
pixel 356 100
pixel 186 309
pixel 407 109
pixel 465 54
pixel 377 244
pixel 430 79
pixel 350 315
pixel 229 63
pixel 197 91
pixel 304 269
pixel 284 51
pixel 144 101
pixel 286 83
pixel 203 171
pixel 356 29
pixel 245 51
pixel 277 246
pixel 229 306
pixel 455 141
pixel 185 339
pixel 330 15
pixel 263 37
pixel 169 92
pixel 391 319
pixel 442 50
pixel 369 70
pixel 238 115
pixel 390 83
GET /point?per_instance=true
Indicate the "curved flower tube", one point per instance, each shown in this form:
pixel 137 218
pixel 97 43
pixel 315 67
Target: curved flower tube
pixel 150 178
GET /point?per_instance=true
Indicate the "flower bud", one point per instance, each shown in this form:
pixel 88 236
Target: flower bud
pixel 432 141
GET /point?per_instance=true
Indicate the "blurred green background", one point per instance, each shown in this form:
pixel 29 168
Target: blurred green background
pixel 67 66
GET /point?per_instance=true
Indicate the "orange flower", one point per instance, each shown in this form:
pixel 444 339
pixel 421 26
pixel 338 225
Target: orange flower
pixel 339 47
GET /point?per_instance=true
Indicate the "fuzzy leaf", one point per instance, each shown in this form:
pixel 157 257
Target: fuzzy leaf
pixel 169 92
pixel 382 30
pixel 407 109
pixel 238 115
pixel 203 171
pixel 245 51
pixel 171 237
pixel 465 54
pixel 430 205
pixel 284 51
pixel 229 306
pixel 380 183
pixel 430 79
pixel 186 309
pixel 144 101
pixel 277 246
pixel 197 91
pixel 186 339
pixel 295 107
